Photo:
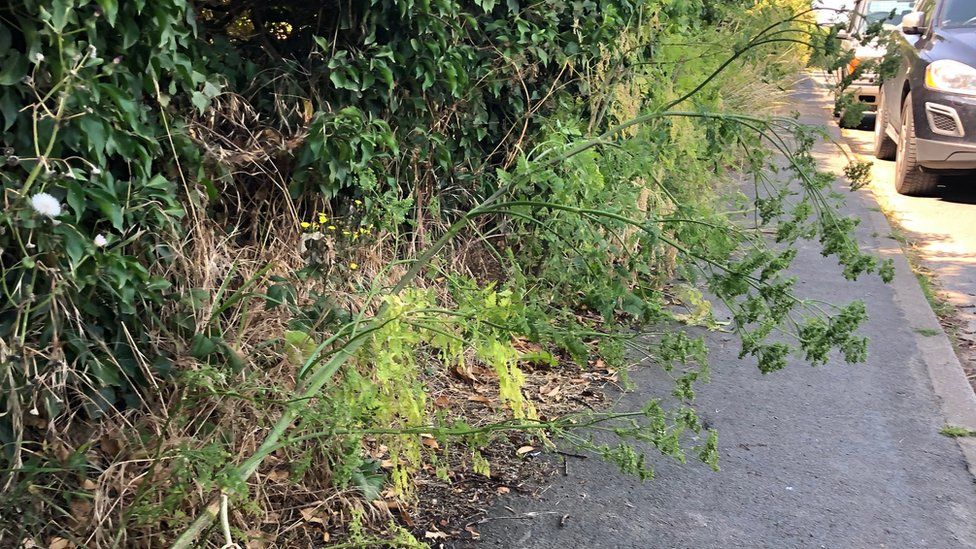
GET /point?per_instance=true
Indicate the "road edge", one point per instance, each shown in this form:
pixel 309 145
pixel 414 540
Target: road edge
pixel 956 397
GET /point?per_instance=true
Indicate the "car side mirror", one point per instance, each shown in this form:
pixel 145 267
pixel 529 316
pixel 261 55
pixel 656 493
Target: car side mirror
pixel 913 23
pixel 843 34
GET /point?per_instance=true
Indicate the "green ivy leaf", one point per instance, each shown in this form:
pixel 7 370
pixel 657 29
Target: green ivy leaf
pixel 109 208
pixel 202 346
pixel 74 246
pixel 94 130
pixel 210 90
pixel 9 107
pixel 13 69
pixel 4 37
pixel 60 10
pixel 199 101
pixel 111 9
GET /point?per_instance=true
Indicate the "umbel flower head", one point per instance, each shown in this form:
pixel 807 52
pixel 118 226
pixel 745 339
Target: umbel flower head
pixel 46 205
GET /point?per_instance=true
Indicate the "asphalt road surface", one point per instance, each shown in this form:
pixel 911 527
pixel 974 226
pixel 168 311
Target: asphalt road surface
pixel 832 457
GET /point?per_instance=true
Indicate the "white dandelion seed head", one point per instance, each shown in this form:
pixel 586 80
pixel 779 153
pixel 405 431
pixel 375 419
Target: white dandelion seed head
pixel 100 241
pixel 46 205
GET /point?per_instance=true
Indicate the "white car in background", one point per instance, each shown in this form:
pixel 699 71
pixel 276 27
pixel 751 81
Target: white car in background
pixel 866 89
pixel 832 12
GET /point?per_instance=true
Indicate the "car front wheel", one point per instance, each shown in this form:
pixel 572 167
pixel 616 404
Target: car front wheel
pixel 909 177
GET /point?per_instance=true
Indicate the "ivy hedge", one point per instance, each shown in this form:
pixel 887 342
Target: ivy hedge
pixel 192 192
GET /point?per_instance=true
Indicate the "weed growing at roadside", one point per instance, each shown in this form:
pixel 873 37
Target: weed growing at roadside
pixel 954 431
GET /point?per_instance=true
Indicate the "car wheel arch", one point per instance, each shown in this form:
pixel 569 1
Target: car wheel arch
pixel 906 90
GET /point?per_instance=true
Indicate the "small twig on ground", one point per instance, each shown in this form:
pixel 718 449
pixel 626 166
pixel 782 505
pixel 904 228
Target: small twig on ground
pixel 523 516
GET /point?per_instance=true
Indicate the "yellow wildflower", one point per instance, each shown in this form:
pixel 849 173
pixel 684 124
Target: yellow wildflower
pixel 322 219
pixel 332 227
pixel 353 266
pixel 306 224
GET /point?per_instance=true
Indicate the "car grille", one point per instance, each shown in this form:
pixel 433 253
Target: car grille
pixel 944 120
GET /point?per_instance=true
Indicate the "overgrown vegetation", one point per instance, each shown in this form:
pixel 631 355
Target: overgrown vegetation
pixel 243 243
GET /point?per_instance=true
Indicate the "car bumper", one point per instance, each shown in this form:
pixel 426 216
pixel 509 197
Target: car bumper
pixel 940 155
pixel 945 127
pixel 866 93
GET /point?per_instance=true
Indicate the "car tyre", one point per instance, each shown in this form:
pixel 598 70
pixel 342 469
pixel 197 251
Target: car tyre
pixel 885 147
pixel 909 178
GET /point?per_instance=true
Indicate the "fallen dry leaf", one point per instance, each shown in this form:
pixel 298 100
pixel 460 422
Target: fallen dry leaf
pixel 442 401
pixel 436 534
pixel 524 450
pixel 278 475
pixel 483 372
pixel 381 505
pixel 465 374
pixel 59 543
pixel 88 484
pixel 111 444
pixel 405 516
pixel 550 390
pixel 81 511
pixel 429 441
pixel 479 398
pixel 503 490
pixel 474 533
pixel 525 346
pixel 310 514
pixel 256 540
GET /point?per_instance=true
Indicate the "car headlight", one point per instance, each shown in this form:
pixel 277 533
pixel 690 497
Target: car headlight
pixel 951 76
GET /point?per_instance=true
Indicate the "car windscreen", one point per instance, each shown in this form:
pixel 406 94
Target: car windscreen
pixel 881 10
pixel 958 13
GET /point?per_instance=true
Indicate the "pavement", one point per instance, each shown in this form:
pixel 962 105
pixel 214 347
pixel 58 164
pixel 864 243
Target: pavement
pixel 941 229
pixel 838 456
